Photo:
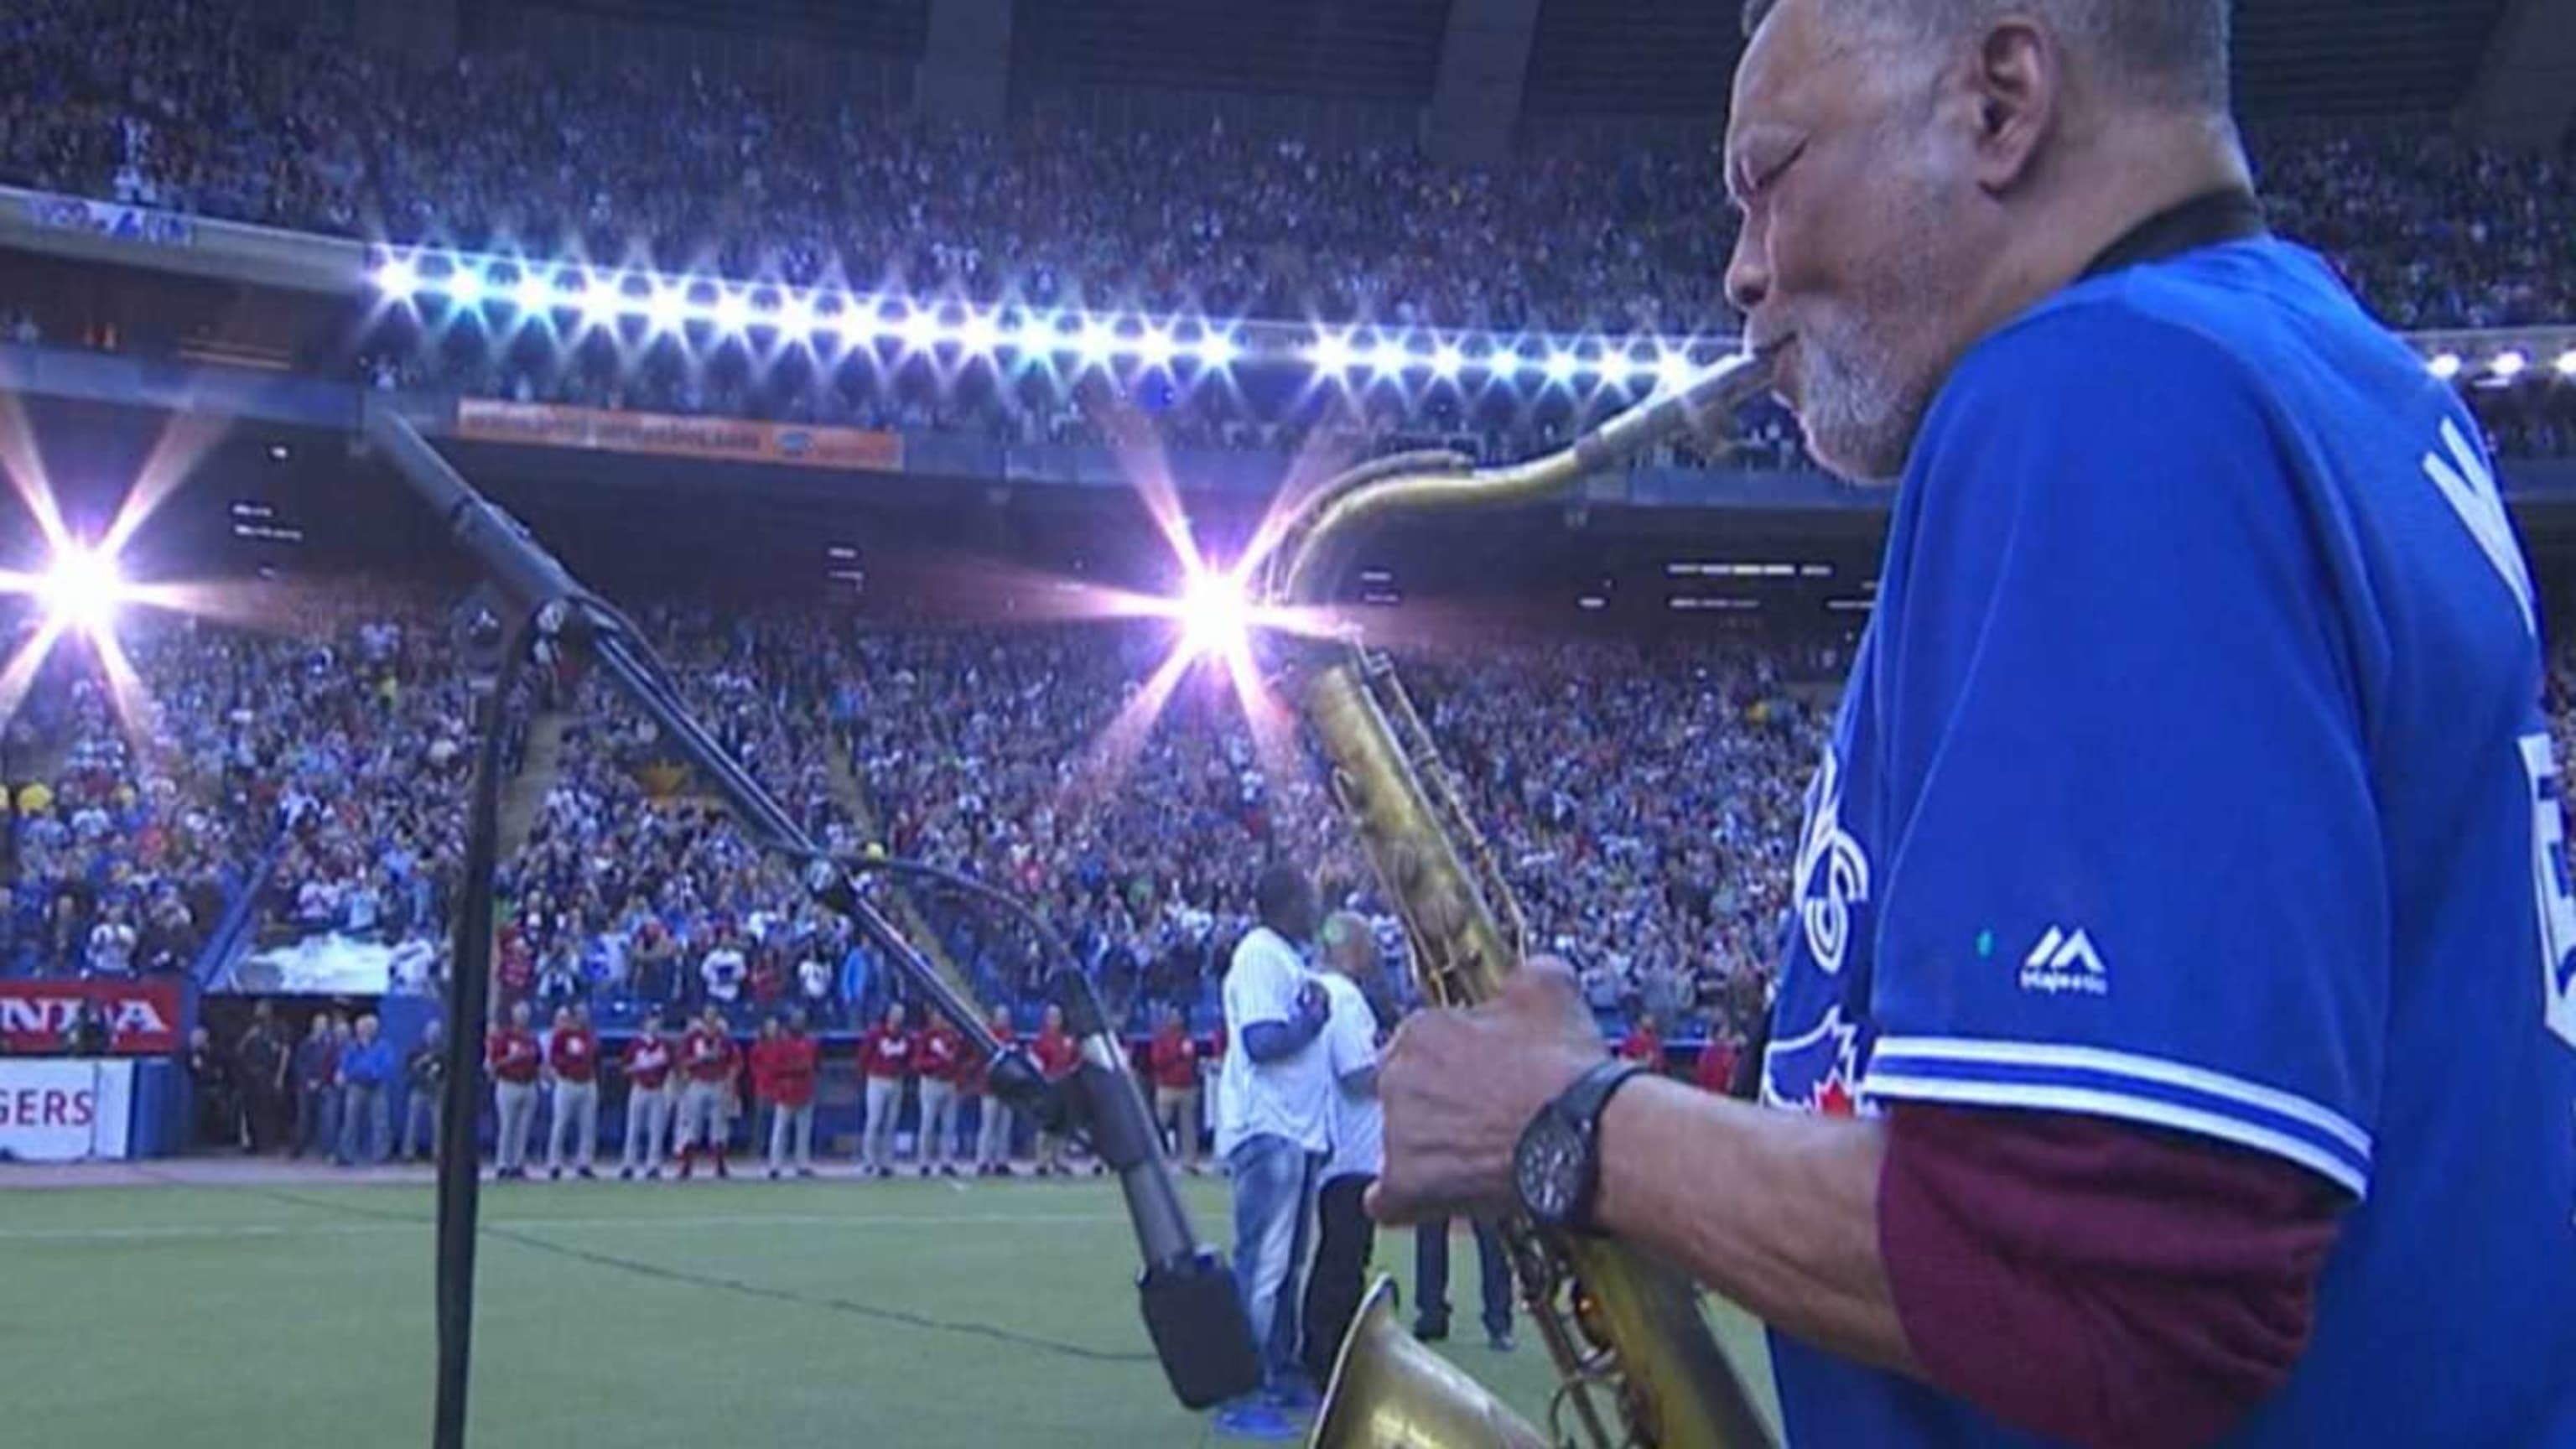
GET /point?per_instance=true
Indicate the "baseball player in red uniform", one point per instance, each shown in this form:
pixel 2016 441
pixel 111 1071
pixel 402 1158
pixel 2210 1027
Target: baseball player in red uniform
pixel 993 1120
pixel 1057 1054
pixel 1644 1044
pixel 572 1059
pixel 708 1059
pixel 511 1051
pixel 648 1105
pixel 794 1058
pixel 1173 1060
pixel 885 1059
pixel 941 1054
pixel 1716 1070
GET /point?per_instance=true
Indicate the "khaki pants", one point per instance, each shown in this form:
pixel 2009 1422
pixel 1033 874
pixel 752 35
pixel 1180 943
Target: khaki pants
pixel 885 1100
pixel 1178 1109
pixel 796 1122
pixel 576 1105
pixel 516 1105
pixel 938 1122
pixel 648 1121
pixel 701 1117
pixel 993 1134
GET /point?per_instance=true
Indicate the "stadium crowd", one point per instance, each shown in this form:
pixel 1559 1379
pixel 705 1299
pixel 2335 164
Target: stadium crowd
pixel 195 106
pixel 1645 800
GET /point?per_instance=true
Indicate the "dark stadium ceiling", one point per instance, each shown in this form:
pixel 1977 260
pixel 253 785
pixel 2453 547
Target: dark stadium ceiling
pixel 2293 57
pixel 1667 58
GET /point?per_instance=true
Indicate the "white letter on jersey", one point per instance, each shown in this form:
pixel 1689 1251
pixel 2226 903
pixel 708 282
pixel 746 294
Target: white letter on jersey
pixel 2551 886
pixel 2470 485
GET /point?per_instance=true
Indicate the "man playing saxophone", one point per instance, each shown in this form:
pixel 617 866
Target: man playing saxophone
pixel 2156 1057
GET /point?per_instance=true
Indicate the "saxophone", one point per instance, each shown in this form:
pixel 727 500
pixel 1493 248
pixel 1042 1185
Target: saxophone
pixel 1636 1362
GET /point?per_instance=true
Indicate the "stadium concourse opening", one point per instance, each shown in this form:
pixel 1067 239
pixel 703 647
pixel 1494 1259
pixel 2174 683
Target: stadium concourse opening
pixel 933 387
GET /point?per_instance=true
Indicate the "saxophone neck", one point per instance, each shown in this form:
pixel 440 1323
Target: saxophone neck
pixel 1427 482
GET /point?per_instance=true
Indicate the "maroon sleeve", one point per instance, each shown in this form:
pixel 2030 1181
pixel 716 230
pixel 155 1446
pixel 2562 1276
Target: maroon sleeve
pixel 2098 1282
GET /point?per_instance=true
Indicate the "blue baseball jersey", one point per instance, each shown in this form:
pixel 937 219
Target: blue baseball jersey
pixel 2193 773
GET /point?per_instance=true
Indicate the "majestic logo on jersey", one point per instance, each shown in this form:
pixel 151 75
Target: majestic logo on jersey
pixel 1817 1071
pixel 1833 871
pixel 2065 961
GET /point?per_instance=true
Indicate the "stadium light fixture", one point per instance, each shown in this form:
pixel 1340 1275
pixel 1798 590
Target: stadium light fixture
pixel 979 334
pixel 1674 370
pixel 2567 363
pixel 1092 342
pixel 82 589
pixel 2508 365
pixel 398 278
pixel 920 331
pixel 1217 349
pixel 600 301
pixel 732 311
pixel 796 315
pixel 465 286
pixel 533 294
pixel 2445 365
pixel 1561 366
pixel 1155 348
pixel 667 308
pixel 1447 361
pixel 1331 353
pixel 1216 619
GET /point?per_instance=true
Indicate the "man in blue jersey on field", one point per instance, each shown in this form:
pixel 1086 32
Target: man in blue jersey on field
pixel 2175 1040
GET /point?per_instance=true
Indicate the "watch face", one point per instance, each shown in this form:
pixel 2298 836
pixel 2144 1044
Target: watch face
pixel 1549 1168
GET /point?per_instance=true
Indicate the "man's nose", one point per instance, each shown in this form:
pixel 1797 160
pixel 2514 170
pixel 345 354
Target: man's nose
pixel 1748 270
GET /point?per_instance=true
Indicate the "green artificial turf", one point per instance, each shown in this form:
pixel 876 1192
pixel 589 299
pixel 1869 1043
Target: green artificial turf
pixel 636 1316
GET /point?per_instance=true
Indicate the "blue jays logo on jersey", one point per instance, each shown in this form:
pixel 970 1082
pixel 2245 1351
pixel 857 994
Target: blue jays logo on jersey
pixel 1833 871
pixel 1817 1071
pixel 1819 1039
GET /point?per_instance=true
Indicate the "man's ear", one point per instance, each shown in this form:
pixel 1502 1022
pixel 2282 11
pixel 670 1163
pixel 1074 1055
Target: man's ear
pixel 2018 79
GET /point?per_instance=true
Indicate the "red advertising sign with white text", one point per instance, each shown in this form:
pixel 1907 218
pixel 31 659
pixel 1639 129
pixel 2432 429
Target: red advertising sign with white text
pixel 143 1017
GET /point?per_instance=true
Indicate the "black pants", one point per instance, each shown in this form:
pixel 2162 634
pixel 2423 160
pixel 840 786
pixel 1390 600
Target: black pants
pixel 1431 1278
pixel 1340 1272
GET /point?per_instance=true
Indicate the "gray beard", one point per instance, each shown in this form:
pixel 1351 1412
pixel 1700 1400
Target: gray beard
pixel 1860 422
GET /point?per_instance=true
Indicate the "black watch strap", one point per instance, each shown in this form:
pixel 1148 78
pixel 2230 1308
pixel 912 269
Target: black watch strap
pixel 1590 1094
pixel 1579 1108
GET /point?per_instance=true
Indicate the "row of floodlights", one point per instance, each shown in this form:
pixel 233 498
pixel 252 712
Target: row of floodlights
pixel 669 305
pixel 2504 366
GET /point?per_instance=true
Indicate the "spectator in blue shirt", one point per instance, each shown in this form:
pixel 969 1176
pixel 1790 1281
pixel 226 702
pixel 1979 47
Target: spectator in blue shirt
pixel 366 1068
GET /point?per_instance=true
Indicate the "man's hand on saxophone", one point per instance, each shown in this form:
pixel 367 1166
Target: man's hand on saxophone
pixel 1776 1211
pixel 1469 1082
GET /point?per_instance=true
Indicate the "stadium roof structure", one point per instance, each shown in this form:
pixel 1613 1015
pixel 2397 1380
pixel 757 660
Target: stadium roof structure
pixel 1487 66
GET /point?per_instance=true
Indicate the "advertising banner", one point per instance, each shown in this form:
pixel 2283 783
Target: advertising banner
pixel 107 218
pixel 145 1018
pixel 64 1110
pixel 663 435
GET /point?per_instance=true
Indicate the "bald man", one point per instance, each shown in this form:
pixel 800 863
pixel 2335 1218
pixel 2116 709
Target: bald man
pixel 1344 1236
pixel 2176 1036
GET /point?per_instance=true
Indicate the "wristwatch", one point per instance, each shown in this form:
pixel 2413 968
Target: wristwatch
pixel 1556 1168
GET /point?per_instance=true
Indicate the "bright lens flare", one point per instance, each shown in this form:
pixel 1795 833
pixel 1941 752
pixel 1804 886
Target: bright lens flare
pixel 1216 619
pixel 82 590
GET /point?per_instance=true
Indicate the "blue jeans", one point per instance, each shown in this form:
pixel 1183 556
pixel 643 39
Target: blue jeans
pixel 1274 1202
pixel 363 1107
pixel 1431 1277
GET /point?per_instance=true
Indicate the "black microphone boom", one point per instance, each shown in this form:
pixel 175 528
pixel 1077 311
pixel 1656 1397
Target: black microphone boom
pixel 1192 1310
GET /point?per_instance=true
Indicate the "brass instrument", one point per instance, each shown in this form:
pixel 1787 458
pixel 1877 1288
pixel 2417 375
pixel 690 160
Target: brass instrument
pixel 1637 1364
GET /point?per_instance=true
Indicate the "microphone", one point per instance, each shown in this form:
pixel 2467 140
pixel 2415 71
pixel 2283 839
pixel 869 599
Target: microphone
pixel 1193 1310
pixel 500 545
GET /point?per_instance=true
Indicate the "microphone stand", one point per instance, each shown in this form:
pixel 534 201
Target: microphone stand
pixel 1192 1310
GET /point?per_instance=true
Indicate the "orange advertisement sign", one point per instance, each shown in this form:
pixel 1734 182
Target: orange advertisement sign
pixel 664 435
